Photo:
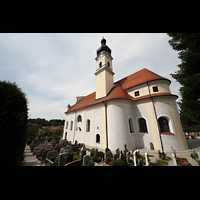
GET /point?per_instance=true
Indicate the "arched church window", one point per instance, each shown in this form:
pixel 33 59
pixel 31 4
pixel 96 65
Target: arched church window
pixel 164 124
pixel 79 118
pixel 108 64
pixel 71 125
pixel 130 121
pixel 65 135
pixel 88 125
pixel 67 125
pixel 143 125
pixel 97 138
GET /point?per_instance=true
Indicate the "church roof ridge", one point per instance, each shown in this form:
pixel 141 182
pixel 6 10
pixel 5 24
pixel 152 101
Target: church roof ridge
pixel 118 92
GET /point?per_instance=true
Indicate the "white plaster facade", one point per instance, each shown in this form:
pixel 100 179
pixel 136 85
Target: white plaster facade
pixel 109 118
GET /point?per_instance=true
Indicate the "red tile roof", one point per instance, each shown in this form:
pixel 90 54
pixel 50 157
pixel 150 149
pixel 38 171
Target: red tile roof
pixel 118 92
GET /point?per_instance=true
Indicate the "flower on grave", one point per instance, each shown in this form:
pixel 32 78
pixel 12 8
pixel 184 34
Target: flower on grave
pixel 110 162
pixel 131 155
pixel 39 158
pixel 118 158
pixel 76 155
pixel 100 158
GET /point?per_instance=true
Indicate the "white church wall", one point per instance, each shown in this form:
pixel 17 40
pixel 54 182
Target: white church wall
pixel 143 140
pixel 163 110
pixel 78 125
pixel 118 127
pixel 87 137
pixel 97 127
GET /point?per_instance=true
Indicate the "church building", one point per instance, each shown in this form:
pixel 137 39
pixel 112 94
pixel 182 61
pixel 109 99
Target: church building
pixel 138 111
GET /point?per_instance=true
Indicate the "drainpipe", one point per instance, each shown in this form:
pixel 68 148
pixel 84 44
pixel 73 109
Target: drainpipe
pixel 156 119
pixel 73 136
pixel 106 125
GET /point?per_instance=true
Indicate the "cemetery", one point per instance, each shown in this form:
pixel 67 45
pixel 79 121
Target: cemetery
pixel 64 153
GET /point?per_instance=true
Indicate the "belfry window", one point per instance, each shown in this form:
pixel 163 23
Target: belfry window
pixel 100 64
pixel 142 125
pixel 108 64
pixel 164 125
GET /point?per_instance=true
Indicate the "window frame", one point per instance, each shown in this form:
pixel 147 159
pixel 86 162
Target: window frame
pixel 142 131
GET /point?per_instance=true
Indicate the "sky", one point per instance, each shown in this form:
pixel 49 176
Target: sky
pixel 52 69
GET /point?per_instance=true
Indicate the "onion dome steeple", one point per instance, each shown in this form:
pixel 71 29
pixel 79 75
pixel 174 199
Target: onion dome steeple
pixel 103 47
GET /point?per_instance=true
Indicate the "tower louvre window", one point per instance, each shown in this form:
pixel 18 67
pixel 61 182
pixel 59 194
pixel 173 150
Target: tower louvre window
pixel 100 64
pixel 108 64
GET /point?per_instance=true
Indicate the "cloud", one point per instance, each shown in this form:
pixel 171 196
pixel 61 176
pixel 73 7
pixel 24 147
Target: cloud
pixel 52 69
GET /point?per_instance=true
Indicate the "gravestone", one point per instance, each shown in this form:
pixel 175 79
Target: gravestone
pixel 146 158
pixel 174 159
pixel 36 149
pixel 83 153
pixel 151 146
pixel 135 157
pixel 75 163
pixel 127 157
pixel 125 149
pixel 52 155
pixel 62 159
pixel 108 156
pixel 117 151
pixel 86 159
pixel 44 154
pixel 96 152
pixel 92 152
pixel 83 147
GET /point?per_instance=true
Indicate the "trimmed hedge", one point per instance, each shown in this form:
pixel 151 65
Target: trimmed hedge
pixel 13 124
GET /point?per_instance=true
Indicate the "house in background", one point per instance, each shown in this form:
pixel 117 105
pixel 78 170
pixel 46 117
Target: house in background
pixel 138 110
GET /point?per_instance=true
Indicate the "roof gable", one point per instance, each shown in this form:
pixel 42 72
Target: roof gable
pixel 118 92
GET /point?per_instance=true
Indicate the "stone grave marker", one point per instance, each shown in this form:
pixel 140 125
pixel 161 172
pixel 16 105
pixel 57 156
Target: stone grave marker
pixel 96 152
pixel 174 159
pixel 117 151
pixel 135 157
pixel 52 155
pixel 92 151
pixel 62 159
pixel 146 158
pixel 86 159
pixel 44 154
pixel 83 153
pixel 127 157
pixel 125 149
pixel 36 149
pixel 108 156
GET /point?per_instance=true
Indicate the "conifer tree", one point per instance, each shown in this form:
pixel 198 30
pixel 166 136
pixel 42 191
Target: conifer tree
pixel 188 75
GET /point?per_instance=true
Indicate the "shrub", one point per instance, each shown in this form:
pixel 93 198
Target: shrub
pixel 101 154
pixel 39 154
pixel 13 123
pixel 31 147
pixel 119 163
pixel 70 156
pixel 95 159
pixel 91 163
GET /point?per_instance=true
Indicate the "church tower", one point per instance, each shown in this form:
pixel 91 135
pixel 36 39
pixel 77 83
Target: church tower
pixel 104 70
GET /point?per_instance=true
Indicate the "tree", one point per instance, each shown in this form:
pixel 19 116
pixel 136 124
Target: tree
pixel 32 130
pixel 188 75
pixel 13 123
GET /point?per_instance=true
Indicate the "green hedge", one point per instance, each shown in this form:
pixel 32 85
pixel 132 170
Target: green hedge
pixel 13 124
